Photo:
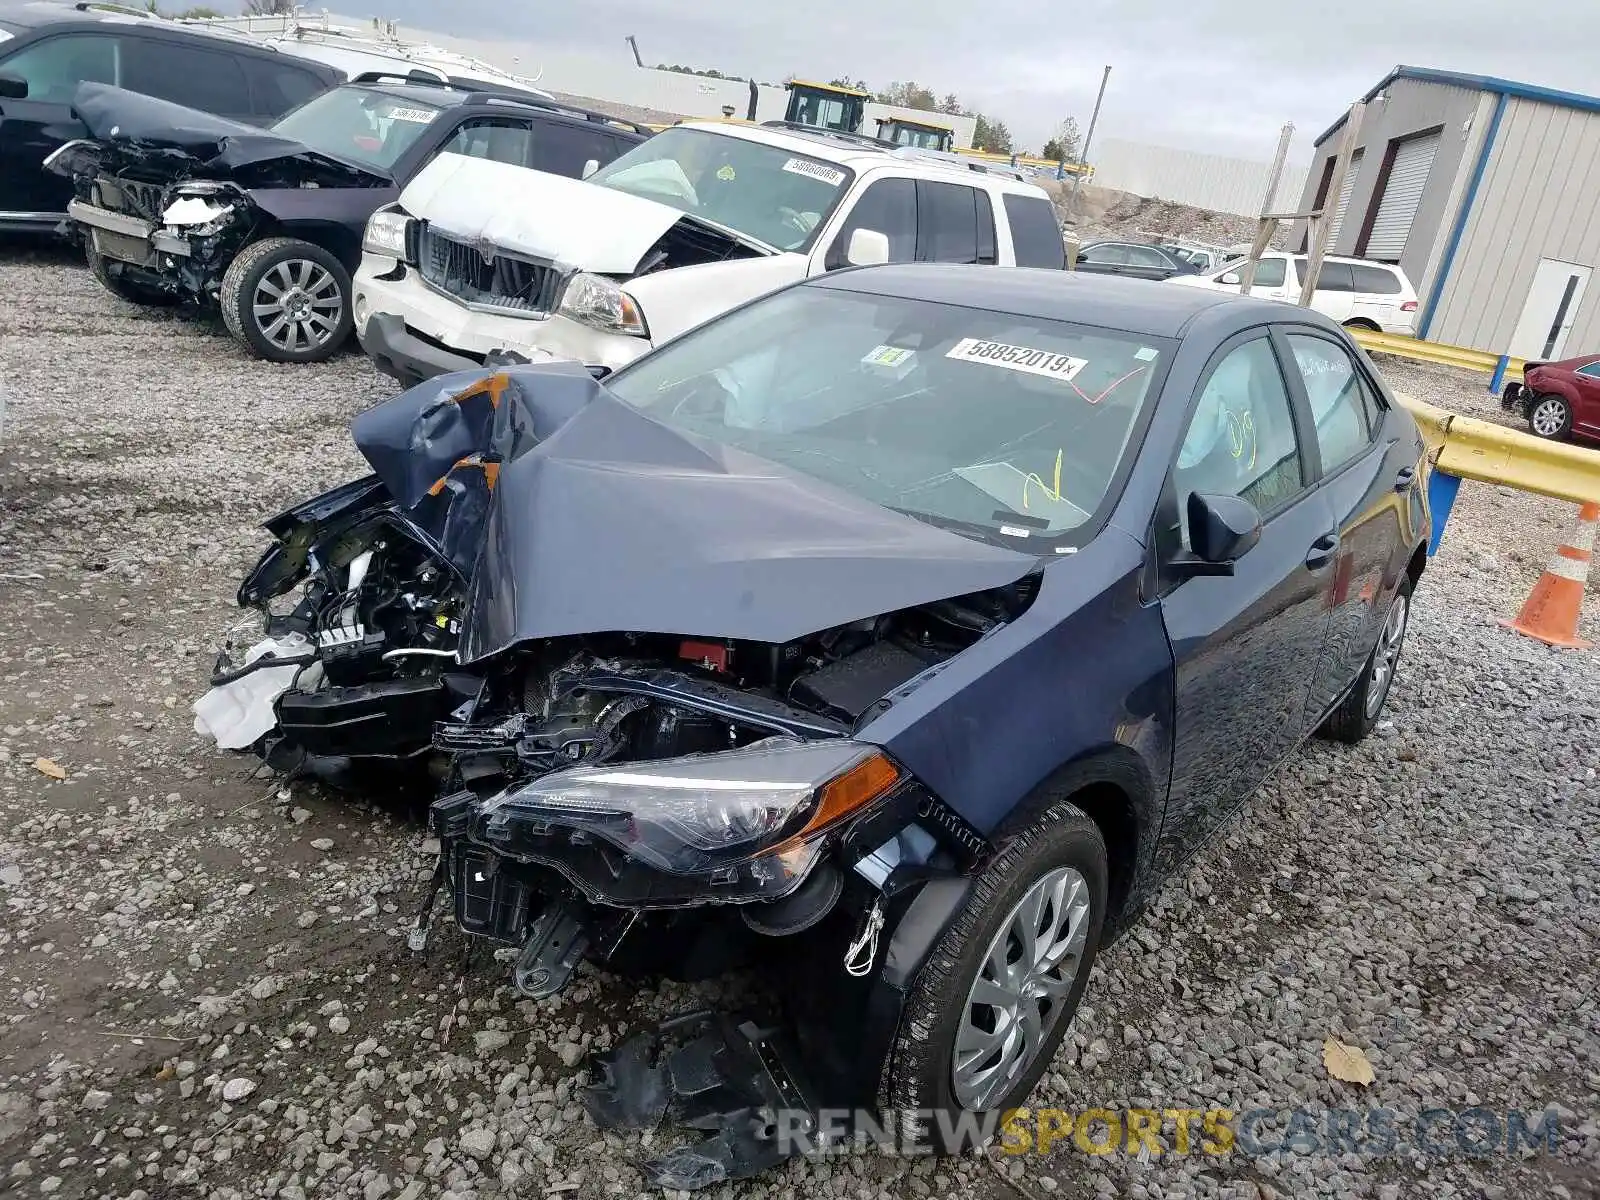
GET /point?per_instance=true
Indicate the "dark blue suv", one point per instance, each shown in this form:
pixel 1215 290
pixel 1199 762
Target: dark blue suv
pixel 896 632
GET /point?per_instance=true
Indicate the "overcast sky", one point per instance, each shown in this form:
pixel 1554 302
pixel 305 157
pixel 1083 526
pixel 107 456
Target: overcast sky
pixel 1214 75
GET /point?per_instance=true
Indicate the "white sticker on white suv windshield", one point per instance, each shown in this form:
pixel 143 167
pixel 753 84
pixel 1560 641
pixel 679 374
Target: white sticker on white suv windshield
pixel 1018 358
pixel 416 116
pixel 831 176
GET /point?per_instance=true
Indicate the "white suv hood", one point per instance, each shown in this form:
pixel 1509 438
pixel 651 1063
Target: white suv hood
pixel 541 215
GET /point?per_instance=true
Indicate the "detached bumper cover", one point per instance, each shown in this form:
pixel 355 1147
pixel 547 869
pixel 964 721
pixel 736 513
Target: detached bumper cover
pixel 706 1071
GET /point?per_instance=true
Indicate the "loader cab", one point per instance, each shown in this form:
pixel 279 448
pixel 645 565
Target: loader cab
pixel 916 134
pixel 826 106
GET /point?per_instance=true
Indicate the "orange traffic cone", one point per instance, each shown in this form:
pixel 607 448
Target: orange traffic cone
pixel 1551 613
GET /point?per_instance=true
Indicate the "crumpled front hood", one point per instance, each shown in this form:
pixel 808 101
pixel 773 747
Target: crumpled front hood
pixel 187 138
pixel 544 216
pixel 570 512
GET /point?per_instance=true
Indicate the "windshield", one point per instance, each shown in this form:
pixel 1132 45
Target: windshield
pixel 358 125
pixel 994 425
pixel 763 192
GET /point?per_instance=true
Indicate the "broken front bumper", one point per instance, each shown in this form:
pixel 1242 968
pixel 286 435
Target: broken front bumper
pixel 127 239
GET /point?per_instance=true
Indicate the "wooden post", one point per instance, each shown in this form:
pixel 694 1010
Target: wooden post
pixel 1266 228
pixel 1319 229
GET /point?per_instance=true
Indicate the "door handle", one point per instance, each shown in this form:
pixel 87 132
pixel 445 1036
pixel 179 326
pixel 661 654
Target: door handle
pixel 1322 551
pixel 1403 478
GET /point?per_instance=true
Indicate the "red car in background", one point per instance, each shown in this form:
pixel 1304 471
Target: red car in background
pixel 1559 400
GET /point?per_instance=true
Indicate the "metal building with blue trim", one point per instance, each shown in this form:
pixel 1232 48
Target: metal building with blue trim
pixel 1483 191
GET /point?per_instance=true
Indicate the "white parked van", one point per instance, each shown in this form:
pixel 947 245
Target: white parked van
pixel 1353 291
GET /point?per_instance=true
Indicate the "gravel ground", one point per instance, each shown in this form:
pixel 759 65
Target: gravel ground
pixel 203 991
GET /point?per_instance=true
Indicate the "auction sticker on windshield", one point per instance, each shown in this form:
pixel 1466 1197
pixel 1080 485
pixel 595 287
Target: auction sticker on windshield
pixel 416 116
pixel 1018 358
pixel 831 176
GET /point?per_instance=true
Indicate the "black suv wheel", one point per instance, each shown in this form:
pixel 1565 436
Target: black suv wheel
pixel 288 300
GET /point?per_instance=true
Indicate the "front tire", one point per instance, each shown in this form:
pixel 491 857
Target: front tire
pixel 1358 713
pixel 287 300
pixel 1549 417
pixel 990 1007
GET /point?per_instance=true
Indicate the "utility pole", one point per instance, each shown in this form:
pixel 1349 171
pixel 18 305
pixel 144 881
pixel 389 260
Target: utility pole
pixel 1322 226
pixel 1083 153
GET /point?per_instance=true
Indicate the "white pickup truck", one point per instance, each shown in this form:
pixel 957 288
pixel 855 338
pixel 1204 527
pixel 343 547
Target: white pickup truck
pixel 479 257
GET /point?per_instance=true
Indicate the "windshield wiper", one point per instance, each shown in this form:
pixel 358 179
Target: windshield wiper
pixel 980 529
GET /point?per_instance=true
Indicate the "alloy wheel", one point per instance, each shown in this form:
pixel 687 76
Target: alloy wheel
pixel 297 305
pixel 1021 988
pixel 1548 416
pixel 1387 655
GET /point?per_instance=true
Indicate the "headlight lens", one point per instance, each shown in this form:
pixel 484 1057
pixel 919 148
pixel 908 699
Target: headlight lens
pixel 388 233
pixel 595 300
pixel 704 812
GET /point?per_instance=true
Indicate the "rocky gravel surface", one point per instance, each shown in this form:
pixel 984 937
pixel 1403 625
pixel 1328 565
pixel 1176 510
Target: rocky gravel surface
pixel 204 988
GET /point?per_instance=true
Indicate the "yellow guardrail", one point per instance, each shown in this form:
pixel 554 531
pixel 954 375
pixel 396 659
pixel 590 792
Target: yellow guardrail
pixel 1435 352
pixel 1469 448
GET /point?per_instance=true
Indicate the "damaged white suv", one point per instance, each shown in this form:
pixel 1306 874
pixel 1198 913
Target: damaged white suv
pixel 479 258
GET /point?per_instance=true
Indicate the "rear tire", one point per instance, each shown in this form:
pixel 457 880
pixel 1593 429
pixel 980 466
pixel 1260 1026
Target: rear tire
pixel 1549 416
pixel 125 289
pixel 1364 324
pixel 287 300
pixel 1051 874
pixel 1358 713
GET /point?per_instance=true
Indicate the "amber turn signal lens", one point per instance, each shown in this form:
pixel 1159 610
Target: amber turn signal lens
pixel 856 788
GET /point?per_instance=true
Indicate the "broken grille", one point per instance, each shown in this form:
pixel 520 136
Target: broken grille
pixel 131 196
pixel 519 285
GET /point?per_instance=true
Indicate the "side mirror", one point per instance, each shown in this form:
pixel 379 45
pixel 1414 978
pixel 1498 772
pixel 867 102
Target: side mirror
pixel 867 248
pixel 1232 277
pixel 1221 530
pixel 13 87
pixel 590 167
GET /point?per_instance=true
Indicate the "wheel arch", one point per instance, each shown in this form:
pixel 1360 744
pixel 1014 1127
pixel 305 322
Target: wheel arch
pixel 1113 787
pixel 1366 323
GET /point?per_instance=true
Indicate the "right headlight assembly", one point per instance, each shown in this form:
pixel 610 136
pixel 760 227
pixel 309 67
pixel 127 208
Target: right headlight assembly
pixel 598 302
pixel 389 233
pixel 757 813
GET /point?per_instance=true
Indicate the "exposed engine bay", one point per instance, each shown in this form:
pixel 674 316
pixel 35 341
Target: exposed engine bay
pixel 684 792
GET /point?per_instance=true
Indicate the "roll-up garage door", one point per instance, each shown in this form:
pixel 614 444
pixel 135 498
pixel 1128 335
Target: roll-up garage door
pixel 1408 176
pixel 1345 189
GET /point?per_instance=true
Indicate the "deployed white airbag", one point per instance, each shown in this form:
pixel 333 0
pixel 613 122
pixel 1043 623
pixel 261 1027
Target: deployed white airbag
pixel 238 712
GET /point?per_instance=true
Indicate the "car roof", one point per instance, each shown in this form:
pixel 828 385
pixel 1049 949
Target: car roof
pixel 1136 306
pixel 1335 258
pixel 34 15
pixel 451 96
pixel 860 152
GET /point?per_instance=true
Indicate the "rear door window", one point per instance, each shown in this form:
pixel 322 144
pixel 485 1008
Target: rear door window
pixel 563 149
pixel 193 76
pixel 988 253
pixel 1374 280
pixel 1340 406
pixel 1035 235
pixel 276 87
pixel 947 223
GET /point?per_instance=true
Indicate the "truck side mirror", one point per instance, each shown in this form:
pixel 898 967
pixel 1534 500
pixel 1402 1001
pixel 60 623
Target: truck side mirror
pixel 867 248
pixel 590 167
pixel 13 87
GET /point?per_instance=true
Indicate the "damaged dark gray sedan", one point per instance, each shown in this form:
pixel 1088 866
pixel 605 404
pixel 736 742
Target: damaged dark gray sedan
pixel 895 633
